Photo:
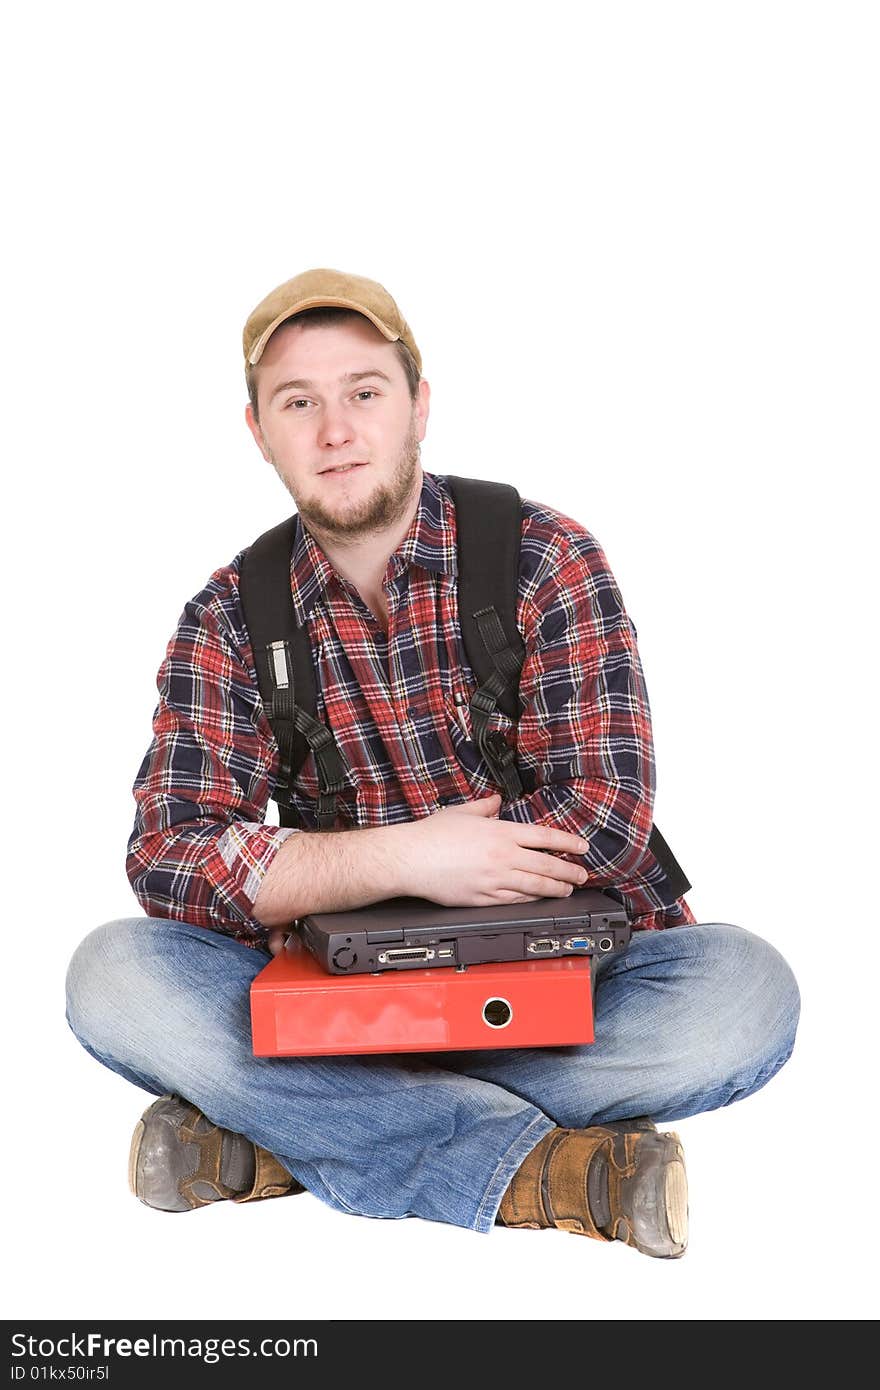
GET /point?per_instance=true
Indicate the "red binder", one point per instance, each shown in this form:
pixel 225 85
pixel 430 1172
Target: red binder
pixel 299 1010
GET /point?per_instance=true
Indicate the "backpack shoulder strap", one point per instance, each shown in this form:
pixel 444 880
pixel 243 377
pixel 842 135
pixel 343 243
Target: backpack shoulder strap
pixel 264 585
pixel 283 659
pixel 488 519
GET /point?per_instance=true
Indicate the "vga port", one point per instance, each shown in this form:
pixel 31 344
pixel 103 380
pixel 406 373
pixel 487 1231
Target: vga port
pixel 580 943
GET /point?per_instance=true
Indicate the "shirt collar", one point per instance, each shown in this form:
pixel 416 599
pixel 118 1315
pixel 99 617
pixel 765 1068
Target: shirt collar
pixel 429 542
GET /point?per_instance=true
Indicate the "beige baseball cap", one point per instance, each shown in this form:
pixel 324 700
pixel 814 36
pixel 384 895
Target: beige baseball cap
pixel 336 289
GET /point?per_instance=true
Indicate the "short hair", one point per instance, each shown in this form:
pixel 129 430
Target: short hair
pixel 330 314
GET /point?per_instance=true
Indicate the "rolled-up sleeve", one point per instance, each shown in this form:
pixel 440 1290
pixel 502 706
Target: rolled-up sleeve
pixel 200 847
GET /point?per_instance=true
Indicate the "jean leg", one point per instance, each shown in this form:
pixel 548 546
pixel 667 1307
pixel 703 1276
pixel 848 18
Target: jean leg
pixel 166 1005
pixel 686 1020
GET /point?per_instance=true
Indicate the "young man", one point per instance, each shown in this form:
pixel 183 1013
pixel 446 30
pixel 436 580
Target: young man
pixel 689 1018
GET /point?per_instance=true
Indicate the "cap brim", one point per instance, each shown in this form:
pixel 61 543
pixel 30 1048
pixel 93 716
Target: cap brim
pixel 316 302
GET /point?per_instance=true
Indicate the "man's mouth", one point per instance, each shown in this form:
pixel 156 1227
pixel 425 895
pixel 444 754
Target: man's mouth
pixel 344 467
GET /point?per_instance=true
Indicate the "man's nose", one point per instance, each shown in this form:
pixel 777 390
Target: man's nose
pixel 335 428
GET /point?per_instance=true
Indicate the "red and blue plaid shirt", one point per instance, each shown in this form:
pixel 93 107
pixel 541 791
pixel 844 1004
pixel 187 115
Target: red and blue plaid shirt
pixel 397 703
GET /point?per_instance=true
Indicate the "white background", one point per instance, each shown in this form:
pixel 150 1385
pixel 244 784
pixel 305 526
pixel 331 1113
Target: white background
pixel 637 244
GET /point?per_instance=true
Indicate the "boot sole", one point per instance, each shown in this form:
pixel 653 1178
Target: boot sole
pixel 133 1153
pixel 677 1203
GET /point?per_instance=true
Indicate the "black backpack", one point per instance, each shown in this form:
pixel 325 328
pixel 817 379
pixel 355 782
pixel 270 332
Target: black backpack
pixel 489 524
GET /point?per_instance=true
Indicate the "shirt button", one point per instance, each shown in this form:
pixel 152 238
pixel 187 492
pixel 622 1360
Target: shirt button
pixel 412 711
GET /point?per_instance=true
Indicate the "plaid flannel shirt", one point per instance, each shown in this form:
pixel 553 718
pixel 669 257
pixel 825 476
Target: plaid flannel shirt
pixel 398 705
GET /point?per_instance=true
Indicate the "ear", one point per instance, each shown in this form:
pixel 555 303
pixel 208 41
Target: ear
pixel 422 408
pixel 254 427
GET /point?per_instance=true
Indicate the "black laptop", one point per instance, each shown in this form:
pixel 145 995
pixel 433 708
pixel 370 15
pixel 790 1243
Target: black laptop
pixel 412 933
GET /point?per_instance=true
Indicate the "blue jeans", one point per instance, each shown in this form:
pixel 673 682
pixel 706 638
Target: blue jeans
pixel 687 1019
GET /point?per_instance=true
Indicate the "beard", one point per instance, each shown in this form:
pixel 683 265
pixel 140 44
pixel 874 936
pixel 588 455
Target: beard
pixel 378 512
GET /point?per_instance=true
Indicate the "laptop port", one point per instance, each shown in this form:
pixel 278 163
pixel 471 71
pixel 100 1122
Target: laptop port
pixel 543 945
pixel 405 953
pixel 580 943
pixel 446 953
pixel 606 943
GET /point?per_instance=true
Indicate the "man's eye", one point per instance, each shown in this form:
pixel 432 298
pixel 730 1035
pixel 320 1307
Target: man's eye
pixel 366 394
pixel 296 403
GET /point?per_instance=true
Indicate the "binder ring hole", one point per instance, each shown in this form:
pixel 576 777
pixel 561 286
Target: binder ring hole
pixel 497 1013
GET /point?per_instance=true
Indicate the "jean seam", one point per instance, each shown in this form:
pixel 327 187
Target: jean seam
pixel 507 1165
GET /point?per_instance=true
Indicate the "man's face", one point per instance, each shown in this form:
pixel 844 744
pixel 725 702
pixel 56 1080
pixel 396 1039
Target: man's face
pixel 339 425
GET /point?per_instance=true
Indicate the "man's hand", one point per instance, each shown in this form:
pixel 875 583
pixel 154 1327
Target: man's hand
pixel 464 856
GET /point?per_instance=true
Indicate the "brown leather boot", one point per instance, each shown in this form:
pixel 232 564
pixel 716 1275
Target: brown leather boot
pixel 179 1160
pixel 620 1181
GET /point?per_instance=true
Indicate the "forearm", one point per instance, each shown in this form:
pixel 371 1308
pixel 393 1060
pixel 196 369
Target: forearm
pixel 331 871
